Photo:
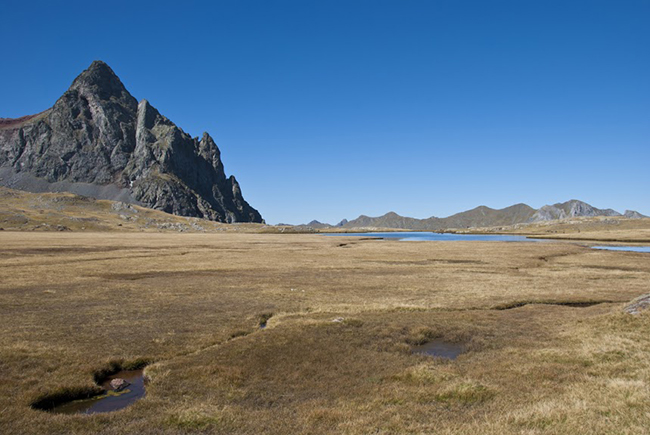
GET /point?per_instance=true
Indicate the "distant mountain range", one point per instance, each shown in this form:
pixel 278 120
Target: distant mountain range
pixel 480 217
pixel 98 141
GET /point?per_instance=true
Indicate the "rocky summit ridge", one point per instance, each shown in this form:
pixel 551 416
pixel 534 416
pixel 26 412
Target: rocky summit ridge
pixel 98 141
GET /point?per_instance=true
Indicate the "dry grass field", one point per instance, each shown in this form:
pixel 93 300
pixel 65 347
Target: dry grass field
pixel 72 304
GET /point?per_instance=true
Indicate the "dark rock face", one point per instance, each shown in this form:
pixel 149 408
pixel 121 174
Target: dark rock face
pixel 97 140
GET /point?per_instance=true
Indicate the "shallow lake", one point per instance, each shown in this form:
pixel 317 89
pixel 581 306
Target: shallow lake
pixel 416 236
pixel 112 400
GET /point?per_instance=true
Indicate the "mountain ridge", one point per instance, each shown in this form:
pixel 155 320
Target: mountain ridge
pixel 483 216
pixel 97 140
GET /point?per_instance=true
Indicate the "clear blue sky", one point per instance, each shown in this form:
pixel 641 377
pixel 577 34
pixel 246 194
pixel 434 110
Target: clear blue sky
pixel 330 109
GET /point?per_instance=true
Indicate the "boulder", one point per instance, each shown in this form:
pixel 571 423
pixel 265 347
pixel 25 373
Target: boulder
pixel 118 384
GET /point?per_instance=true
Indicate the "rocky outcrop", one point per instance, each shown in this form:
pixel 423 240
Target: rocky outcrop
pixel 97 140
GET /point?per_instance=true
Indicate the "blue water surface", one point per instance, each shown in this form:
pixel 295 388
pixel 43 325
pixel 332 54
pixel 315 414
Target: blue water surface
pixel 416 236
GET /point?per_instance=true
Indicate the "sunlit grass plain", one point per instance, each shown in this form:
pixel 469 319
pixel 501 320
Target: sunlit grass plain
pixel 70 303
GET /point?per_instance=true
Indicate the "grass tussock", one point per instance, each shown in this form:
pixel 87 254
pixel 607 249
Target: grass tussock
pixel 354 323
pixel 425 374
pixel 465 392
pixel 420 335
pixel 202 419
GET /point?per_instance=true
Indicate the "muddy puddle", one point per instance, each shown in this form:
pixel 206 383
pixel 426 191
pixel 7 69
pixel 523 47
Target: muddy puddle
pixel 111 400
pixel 440 349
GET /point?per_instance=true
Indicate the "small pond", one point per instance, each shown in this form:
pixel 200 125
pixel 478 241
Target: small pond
pixel 110 401
pixel 440 349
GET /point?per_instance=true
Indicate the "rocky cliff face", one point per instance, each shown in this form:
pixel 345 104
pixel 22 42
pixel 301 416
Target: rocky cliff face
pixel 99 141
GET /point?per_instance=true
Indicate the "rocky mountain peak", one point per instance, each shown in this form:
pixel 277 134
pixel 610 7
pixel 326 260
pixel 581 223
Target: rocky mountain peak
pixel 99 141
pixel 101 82
pixel 98 74
pixel 578 208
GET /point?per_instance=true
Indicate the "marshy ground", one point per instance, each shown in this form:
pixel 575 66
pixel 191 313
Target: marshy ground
pixel 547 346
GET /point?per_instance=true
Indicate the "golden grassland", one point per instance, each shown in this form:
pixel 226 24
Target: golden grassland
pixel 72 303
